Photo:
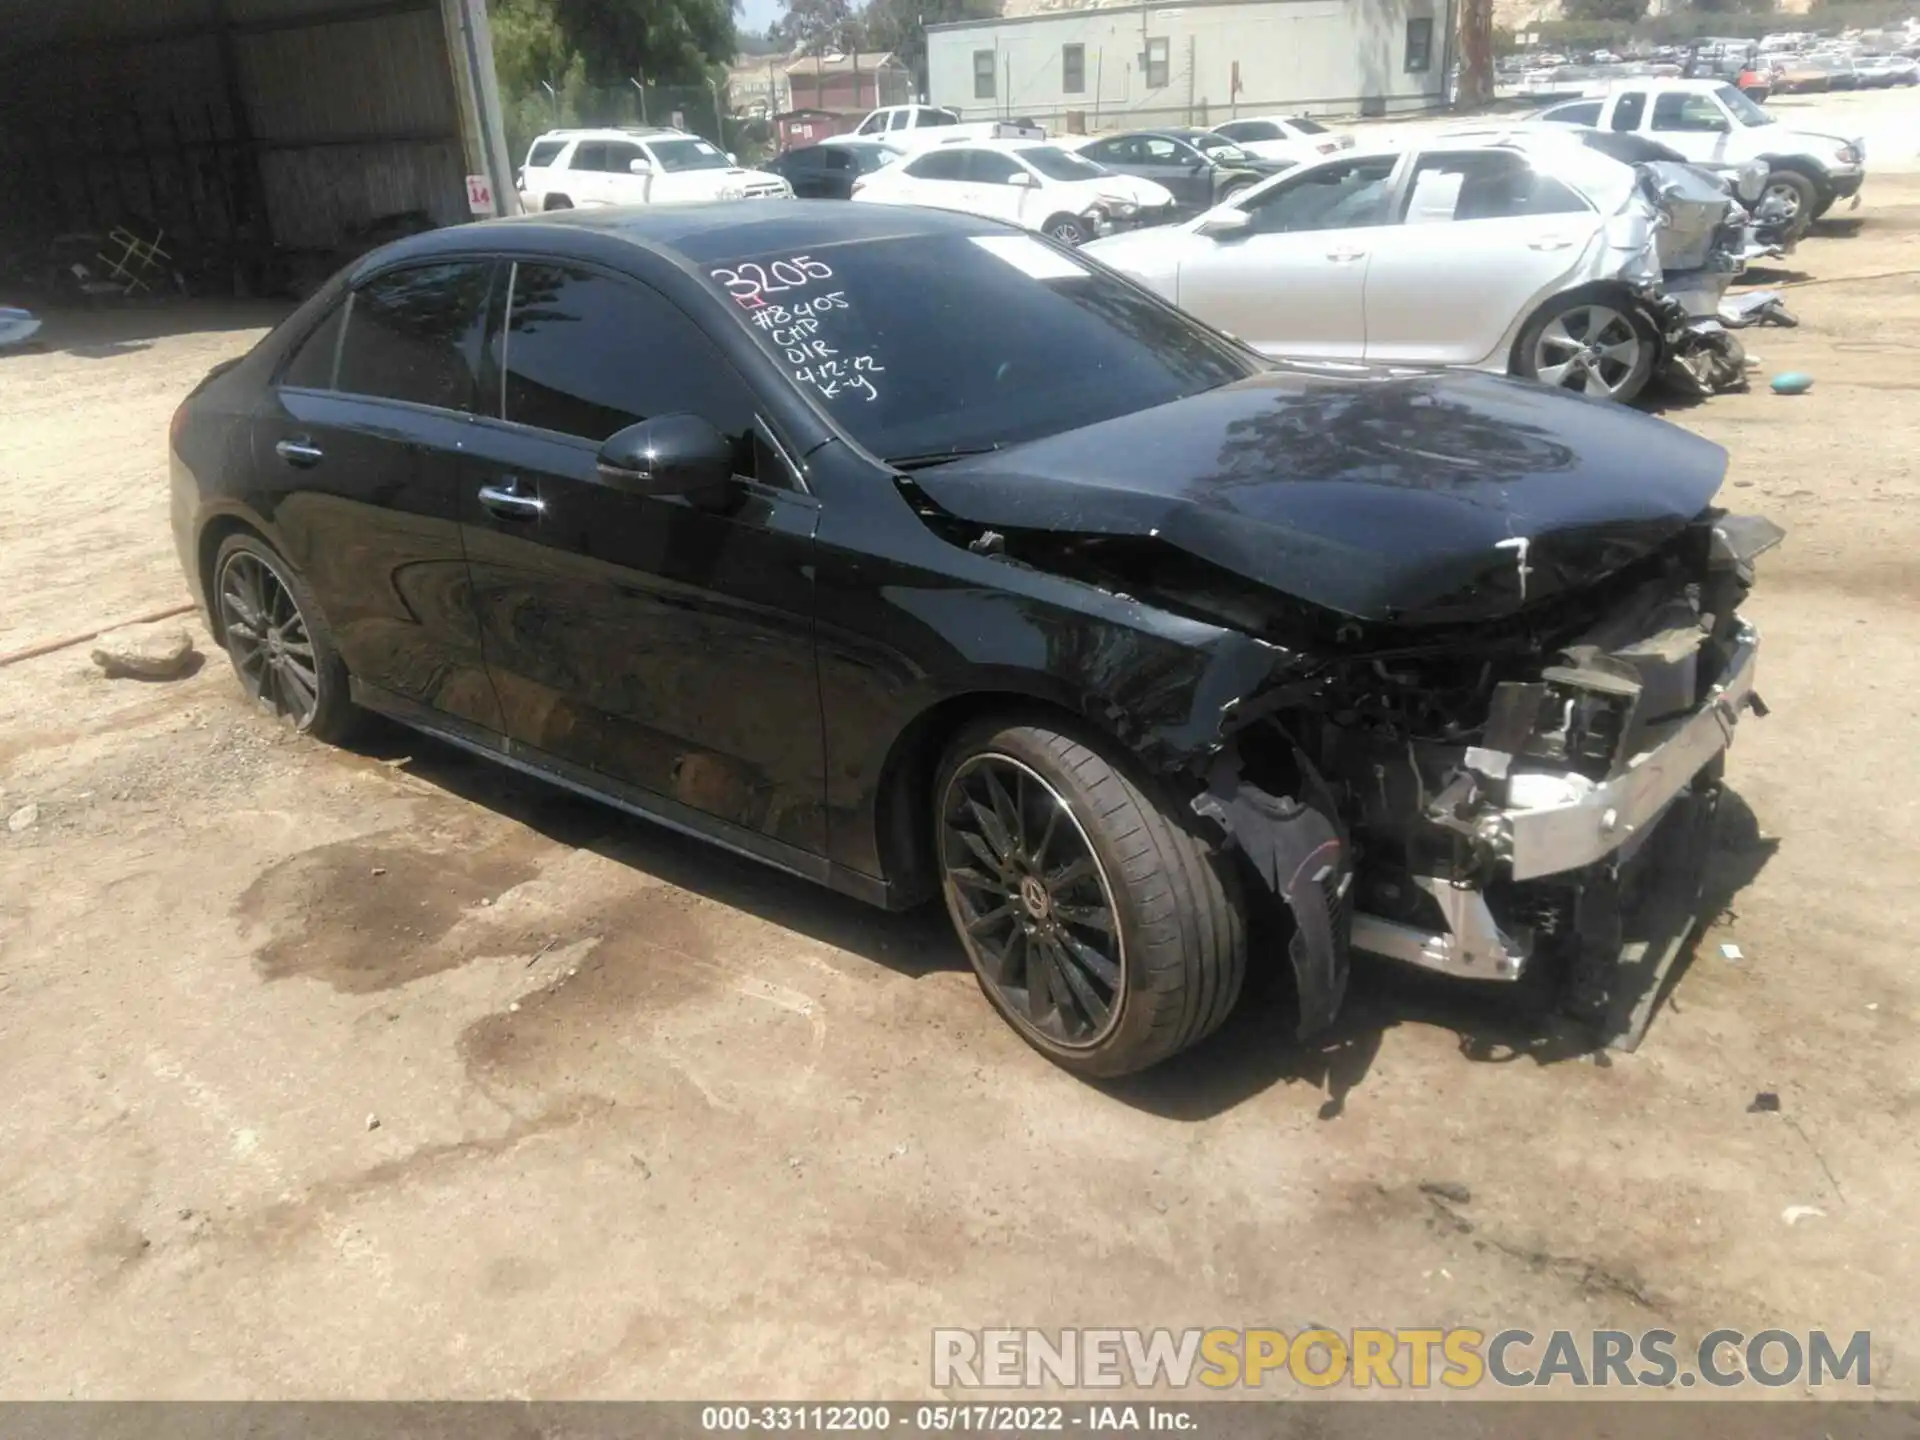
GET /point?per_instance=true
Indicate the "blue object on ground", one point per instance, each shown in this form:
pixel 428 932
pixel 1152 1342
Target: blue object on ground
pixel 17 326
pixel 1792 383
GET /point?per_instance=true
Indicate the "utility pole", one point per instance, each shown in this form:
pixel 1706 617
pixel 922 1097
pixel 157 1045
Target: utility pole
pixel 719 121
pixel 553 95
pixel 1476 55
pixel 640 85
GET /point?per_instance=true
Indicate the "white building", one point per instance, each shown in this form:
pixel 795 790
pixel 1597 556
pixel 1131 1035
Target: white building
pixel 1168 62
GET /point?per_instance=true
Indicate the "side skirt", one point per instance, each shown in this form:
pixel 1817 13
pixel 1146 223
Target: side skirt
pixel 643 804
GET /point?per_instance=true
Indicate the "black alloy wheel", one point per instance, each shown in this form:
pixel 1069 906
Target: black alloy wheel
pixel 268 638
pixel 277 640
pixel 1032 902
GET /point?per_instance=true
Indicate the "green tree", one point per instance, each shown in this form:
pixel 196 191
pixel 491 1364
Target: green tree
pixel 1619 12
pixel 674 40
pixel 814 27
pixel 901 27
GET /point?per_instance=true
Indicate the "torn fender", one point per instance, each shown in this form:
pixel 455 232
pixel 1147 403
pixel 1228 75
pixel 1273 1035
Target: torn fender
pixel 1299 849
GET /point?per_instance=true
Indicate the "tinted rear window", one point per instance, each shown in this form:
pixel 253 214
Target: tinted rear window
pixel 1031 341
pixel 414 335
pixel 544 152
pixel 1306 126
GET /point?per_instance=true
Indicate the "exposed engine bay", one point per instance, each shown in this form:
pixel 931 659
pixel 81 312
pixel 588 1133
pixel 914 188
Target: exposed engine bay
pixel 1475 799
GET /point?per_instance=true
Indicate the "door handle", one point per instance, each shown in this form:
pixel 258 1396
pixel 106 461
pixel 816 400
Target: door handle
pixel 1549 242
pixel 510 502
pixel 300 452
pixel 1346 255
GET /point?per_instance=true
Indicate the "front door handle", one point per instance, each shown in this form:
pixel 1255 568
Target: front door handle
pixel 510 502
pixel 300 452
pixel 1549 242
pixel 1345 255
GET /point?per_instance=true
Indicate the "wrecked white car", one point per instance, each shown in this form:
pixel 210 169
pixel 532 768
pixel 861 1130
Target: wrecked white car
pixel 1525 252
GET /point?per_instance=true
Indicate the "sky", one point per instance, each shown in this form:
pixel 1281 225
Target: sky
pixel 758 14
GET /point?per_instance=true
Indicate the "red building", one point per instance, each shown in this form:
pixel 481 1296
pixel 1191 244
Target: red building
pixel 850 84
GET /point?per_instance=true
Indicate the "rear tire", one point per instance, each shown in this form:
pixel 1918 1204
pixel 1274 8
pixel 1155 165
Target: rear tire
pixel 278 641
pixel 1592 343
pixel 1101 927
pixel 557 202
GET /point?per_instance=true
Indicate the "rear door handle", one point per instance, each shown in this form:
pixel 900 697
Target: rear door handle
pixel 1345 255
pixel 510 502
pixel 1549 242
pixel 300 452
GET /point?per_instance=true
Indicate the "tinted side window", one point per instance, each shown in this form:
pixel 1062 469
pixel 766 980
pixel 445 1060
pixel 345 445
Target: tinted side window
pixel 938 165
pixel 414 335
pixel 312 365
pixel 544 151
pixel 619 157
pixel 1628 109
pixel 1484 186
pixel 587 355
pixel 1675 111
pixel 1581 112
pixel 1333 197
pixel 989 167
pixel 812 158
pixel 589 155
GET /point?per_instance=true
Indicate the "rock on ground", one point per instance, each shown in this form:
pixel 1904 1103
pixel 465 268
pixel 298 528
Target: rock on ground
pixel 159 651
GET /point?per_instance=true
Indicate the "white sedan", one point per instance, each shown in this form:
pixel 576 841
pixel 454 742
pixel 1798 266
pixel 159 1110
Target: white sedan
pixel 1040 186
pixel 1284 137
pixel 1522 255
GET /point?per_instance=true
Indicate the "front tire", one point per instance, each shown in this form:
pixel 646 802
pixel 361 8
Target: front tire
pixel 1801 195
pixel 1069 230
pixel 1100 926
pixel 1592 344
pixel 278 643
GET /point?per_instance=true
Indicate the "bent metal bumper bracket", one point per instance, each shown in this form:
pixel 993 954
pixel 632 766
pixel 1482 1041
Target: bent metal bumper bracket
pixel 1549 840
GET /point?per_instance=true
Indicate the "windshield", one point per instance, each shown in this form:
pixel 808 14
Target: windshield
pixel 688 154
pixel 1031 341
pixel 1217 147
pixel 1057 164
pixel 1744 110
pixel 872 157
pixel 1306 126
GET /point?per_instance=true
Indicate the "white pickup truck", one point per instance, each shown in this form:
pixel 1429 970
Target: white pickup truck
pixel 1712 123
pixel 918 125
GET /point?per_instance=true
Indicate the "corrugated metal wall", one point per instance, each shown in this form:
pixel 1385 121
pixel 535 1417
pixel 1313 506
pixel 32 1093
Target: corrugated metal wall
pixel 354 120
pixel 291 120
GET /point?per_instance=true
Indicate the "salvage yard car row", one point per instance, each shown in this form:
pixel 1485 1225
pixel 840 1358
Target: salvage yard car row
pixel 1589 248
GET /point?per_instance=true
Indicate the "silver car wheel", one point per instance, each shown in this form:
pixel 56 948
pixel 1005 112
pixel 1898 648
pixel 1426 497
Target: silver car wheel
pixel 1591 348
pixel 1788 196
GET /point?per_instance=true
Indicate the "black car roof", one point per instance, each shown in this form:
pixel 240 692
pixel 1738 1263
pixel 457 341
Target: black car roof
pixel 689 232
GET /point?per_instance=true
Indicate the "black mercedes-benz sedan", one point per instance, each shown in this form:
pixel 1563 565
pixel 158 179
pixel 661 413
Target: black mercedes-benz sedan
pixel 914 554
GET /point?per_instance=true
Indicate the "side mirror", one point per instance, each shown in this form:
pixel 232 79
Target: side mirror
pixel 1022 180
pixel 640 167
pixel 670 455
pixel 1224 224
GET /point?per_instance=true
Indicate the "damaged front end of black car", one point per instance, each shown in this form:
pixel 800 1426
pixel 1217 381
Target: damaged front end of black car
pixel 1496 657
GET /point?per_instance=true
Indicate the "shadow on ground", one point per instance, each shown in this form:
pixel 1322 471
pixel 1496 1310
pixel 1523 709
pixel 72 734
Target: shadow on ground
pixel 1256 1049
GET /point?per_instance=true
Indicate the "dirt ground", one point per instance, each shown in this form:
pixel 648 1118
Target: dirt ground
pixel 385 1073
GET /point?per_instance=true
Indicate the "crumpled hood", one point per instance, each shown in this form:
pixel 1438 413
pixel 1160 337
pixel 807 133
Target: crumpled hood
pixel 1133 189
pixel 1415 498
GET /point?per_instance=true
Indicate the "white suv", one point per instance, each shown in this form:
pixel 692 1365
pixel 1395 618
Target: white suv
pixel 566 169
